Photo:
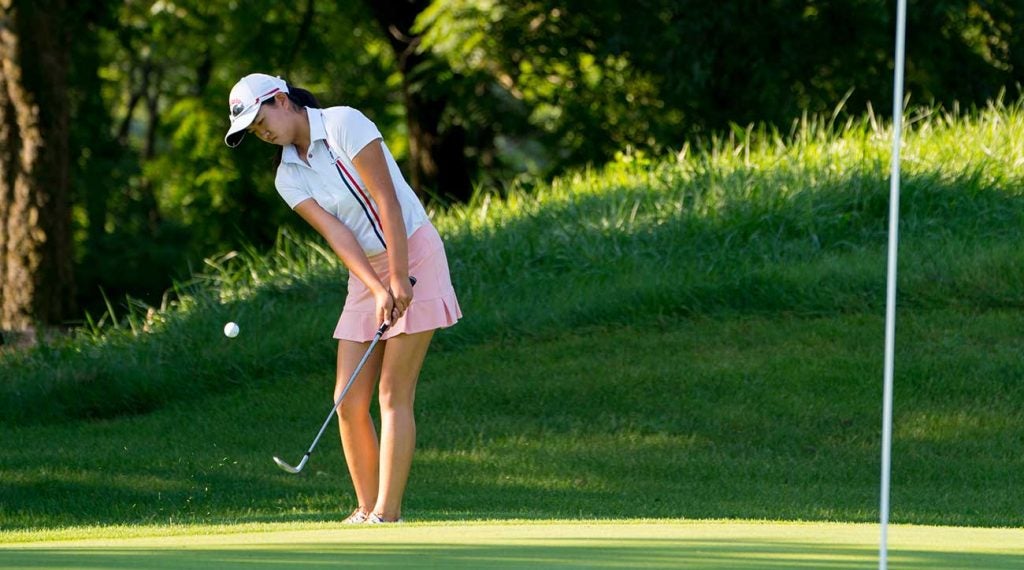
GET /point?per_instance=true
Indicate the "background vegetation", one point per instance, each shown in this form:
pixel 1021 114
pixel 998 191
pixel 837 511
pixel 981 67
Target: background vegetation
pixel 502 95
pixel 697 335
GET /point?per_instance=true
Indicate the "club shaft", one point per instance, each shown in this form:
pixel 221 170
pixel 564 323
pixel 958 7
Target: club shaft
pixel 341 397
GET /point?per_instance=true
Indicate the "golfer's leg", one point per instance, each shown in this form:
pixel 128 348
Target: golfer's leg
pixel 358 436
pixel 403 359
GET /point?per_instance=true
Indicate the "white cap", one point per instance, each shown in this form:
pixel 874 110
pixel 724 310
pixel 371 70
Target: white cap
pixel 244 102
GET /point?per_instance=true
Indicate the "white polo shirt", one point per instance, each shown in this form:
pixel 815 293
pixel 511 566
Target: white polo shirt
pixel 336 135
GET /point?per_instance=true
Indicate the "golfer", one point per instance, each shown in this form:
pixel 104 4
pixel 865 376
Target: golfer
pixel 335 171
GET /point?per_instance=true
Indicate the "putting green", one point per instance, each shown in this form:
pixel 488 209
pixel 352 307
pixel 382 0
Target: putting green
pixel 631 544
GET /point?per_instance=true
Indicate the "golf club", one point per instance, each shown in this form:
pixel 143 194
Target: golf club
pixel 305 458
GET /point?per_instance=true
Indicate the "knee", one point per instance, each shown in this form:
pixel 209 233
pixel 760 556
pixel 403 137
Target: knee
pixel 353 409
pixel 395 400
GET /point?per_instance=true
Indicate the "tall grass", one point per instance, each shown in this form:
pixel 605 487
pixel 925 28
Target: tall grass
pixel 753 221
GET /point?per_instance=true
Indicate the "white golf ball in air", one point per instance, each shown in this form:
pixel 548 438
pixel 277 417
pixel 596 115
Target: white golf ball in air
pixel 231 330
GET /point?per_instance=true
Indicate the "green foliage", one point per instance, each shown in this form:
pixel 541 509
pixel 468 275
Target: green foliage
pixel 537 87
pixel 157 189
pixel 549 77
pixel 594 78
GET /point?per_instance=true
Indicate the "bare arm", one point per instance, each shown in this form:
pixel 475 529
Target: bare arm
pixel 373 169
pixel 343 242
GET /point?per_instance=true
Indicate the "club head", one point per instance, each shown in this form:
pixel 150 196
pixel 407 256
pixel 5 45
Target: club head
pixel 289 468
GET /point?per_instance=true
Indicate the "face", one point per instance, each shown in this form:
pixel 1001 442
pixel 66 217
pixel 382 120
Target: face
pixel 275 123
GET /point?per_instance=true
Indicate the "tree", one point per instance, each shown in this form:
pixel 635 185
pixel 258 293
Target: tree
pixel 36 278
pixel 466 91
pixel 437 150
pixel 589 78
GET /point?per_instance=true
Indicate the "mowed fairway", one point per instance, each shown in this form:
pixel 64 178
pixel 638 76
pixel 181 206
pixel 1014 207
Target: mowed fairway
pixel 632 544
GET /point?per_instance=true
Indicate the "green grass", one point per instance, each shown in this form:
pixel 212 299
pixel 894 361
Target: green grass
pixel 774 418
pixel 631 544
pixel 698 336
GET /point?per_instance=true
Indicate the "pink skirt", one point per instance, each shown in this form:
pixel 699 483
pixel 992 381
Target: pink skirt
pixel 434 305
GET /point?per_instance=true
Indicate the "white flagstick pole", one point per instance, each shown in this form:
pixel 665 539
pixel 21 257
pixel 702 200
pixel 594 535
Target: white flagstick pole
pixel 890 300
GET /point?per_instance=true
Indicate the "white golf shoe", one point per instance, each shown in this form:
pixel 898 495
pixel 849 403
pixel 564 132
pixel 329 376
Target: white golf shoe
pixel 374 518
pixel 358 516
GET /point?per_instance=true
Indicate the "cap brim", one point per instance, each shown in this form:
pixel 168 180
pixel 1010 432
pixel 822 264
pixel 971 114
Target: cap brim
pixel 238 126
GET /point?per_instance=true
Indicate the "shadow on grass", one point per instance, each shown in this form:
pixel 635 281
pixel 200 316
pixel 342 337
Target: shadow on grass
pixel 611 553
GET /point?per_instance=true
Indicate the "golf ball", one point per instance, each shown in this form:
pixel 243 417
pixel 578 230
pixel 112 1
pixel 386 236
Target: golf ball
pixel 231 330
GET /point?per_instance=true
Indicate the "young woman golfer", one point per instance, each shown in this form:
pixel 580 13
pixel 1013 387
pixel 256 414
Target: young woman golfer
pixel 336 172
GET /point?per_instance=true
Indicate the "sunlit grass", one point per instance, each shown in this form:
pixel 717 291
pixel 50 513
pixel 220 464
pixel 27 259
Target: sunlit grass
pixel 638 543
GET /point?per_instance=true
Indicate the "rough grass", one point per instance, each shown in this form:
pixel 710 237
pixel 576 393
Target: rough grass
pixel 691 336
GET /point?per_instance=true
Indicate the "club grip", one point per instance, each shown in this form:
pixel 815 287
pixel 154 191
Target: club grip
pixel 384 326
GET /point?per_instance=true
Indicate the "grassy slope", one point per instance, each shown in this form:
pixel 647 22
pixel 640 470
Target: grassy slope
pixel 763 418
pixel 699 338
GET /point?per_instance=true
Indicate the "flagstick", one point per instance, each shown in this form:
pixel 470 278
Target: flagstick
pixel 890 301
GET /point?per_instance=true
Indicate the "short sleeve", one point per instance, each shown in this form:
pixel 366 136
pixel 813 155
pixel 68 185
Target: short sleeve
pixel 291 192
pixel 354 130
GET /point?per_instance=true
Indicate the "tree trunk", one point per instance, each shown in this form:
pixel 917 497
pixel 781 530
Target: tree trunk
pixel 438 157
pixel 36 281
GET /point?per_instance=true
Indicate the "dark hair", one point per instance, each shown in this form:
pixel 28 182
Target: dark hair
pixel 300 98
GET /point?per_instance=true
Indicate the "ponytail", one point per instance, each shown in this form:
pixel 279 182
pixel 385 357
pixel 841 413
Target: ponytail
pixel 300 98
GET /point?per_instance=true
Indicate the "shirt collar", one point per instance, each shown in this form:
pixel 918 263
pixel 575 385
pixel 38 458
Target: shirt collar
pixel 289 154
pixel 317 132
